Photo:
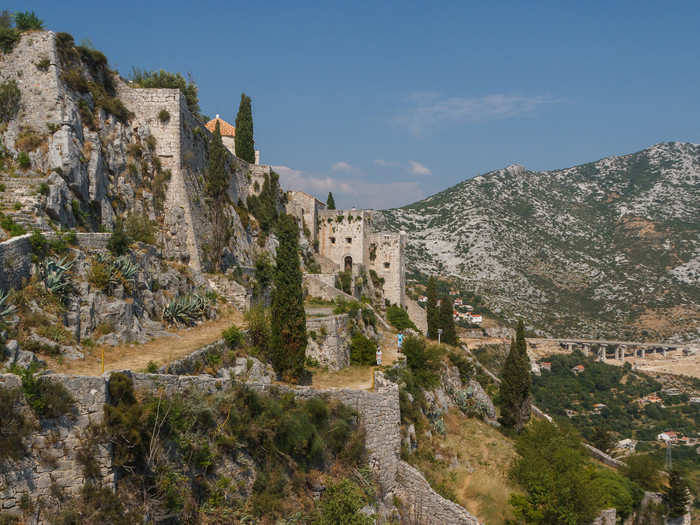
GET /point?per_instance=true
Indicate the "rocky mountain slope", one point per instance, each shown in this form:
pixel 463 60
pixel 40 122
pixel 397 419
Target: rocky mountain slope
pixel 610 248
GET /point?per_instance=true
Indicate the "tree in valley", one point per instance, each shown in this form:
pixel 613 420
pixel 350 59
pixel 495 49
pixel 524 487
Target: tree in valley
pixel 515 384
pixel 676 496
pixel 244 143
pixel 288 317
pixel 330 201
pixel 551 468
pixel 447 321
pixel 217 198
pixel 431 308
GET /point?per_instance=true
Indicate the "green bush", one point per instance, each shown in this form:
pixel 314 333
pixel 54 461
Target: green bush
pixel 27 20
pixel 23 160
pixel 423 361
pixel 164 115
pixel 139 228
pixel 362 350
pixel 10 98
pixel 39 243
pixel 119 241
pixel 233 337
pixel 48 399
pixel 14 428
pixel 398 317
pixel 9 36
pixel 341 504
pixel 10 226
pixel 259 330
pixel 345 280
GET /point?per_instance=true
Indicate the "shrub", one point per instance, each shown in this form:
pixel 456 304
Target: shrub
pixel 152 367
pixel 47 398
pixel 44 188
pixel 28 140
pixel 23 160
pixel 362 350
pixel 119 241
pixel 27 21
pixel 9 36
pixel 2 187
pixel 10 98
pixel 122 418
pixel 233 337
pixel 341 504
pixel 164 115
pixel 99 275
pixel 43 64
pixel 10 226
pixel 345 281
pixel 139 228
pixel 14 428
pixel 398 317
pixel 39 243
pixel 259 331
pixel 424 362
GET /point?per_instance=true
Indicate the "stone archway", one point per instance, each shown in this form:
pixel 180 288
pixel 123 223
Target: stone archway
pixel 348 263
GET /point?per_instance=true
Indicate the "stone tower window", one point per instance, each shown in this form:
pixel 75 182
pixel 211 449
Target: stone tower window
pixel 386 265
pixel 348 240
pixel 332 240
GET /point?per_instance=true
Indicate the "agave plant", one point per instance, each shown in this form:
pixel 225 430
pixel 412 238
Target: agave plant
pixel 55 274
pixel 122 271
pixel 186 309
pixel 5 308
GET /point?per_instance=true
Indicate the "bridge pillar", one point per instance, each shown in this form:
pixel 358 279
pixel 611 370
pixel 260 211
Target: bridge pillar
pixel 601 354
pixel 570 347
pixel 664 350
pixel 586 349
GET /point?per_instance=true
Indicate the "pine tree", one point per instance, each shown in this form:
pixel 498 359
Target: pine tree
pixel 288 316
pixel 217 197
pixel 431 308
pixel 330 201
pixel 447 322
pixel 676 496
pixel 515 383
pixel 245 145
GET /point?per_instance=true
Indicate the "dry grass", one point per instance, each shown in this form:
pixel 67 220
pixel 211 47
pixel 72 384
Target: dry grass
pixel 161 350
pixel 479 477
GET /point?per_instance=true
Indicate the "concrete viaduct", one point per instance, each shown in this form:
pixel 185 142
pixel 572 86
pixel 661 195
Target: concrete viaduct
pixel 619 349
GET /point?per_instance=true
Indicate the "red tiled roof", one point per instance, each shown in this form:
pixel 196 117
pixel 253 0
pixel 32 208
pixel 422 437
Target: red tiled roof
pixel 226 129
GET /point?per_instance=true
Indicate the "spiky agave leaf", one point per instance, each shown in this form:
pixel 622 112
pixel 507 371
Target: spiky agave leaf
pixel 5 308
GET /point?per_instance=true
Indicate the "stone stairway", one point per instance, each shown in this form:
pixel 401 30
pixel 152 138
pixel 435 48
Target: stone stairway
pixel 21 200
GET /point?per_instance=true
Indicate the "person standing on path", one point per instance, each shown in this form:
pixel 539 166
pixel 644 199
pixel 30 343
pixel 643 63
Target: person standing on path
pixel 379 356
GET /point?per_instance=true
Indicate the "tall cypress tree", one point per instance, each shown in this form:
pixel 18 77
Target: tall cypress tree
pixel 330 201
pixel 215 190
pixel 515 383
pixel 245 145
pixel 431 308
pixel 447 322
pixel 676 496
pixel 288 316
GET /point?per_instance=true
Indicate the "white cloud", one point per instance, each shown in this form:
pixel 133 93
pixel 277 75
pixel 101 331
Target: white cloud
pixel 418 169
pixel 387 163
pixel 359 193
pixel 427 110
pixel 342 166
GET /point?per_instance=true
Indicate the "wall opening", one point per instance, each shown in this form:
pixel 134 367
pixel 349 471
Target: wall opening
pixel 332 240
pixel 348 263
pixel 386 265
pixel 348 240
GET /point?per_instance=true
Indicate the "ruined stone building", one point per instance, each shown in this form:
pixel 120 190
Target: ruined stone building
pixel 346 239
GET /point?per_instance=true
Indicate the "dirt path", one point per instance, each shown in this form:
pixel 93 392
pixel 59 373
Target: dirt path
pixel 161 350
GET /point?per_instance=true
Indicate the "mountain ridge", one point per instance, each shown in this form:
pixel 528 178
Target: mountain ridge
pixel 610 247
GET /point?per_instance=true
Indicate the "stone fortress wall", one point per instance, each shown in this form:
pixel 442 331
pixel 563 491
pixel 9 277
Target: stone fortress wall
pixel 16 256
pixel 62 440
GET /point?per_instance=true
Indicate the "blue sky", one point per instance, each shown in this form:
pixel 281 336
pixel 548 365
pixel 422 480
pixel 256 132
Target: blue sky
pixel 388 102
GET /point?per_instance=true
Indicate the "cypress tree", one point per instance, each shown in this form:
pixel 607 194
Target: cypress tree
pixel 431 308
pixel 330 201
pixel 447 322
pixel 676 496
pixel 245 145
pixel 215 190
pixel 515 383
pixel 288 316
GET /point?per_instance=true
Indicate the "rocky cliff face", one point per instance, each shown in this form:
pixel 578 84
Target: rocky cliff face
pixel 609 248
pixel 86 148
